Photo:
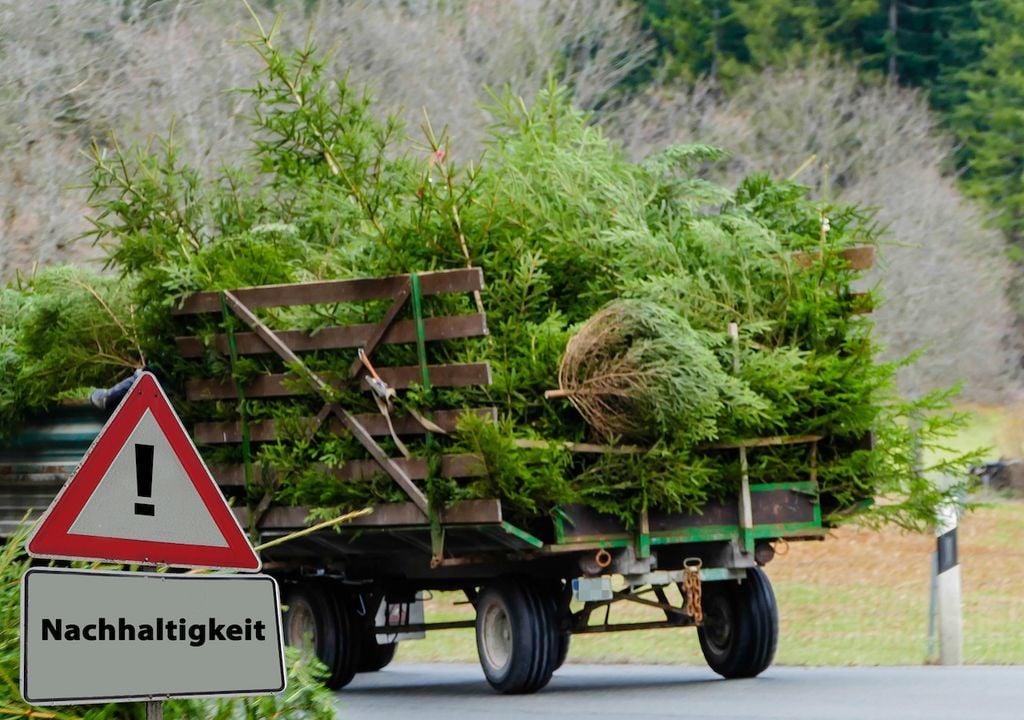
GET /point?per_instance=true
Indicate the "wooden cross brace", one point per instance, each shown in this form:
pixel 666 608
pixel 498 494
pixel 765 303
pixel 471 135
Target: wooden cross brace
pixel 326 392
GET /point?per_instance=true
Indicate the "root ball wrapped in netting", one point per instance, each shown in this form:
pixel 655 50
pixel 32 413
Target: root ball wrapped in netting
pixel 638 371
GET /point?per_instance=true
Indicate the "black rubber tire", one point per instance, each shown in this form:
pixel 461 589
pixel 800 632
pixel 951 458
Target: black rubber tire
pixel 312 619
pixel 516 636
pixel 350 640
pixel 372 657
pixel 554 594
pixel 741 626
pixel 376 657
pixel 564 639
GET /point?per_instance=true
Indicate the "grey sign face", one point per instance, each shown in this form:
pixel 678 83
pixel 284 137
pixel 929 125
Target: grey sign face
pixel 171 511
pixel 91 636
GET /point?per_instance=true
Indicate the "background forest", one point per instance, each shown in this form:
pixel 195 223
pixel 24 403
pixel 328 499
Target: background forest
pixel 895 105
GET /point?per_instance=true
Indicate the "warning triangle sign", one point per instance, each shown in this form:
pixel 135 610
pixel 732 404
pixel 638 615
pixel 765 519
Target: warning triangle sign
pixel 143 495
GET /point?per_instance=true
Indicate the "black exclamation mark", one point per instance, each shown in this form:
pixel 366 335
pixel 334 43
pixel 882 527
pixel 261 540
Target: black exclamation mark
pixel 144 478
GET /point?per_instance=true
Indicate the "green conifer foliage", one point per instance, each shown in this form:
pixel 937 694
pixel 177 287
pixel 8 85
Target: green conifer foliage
pixel 726 38
pixel 563 224
pixel 989 122
pixel 61 329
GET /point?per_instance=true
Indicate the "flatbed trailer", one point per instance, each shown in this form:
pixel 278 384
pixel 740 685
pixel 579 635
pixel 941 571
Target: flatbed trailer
pixel 352 591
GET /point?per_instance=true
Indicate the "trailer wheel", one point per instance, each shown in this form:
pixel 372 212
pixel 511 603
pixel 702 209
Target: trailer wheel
pixel 563 649
pixel 314 621
pixel 373 657
pixel 741 626
pixel 554 595
pixel 516 637
pixel 349 641
pixel 376 657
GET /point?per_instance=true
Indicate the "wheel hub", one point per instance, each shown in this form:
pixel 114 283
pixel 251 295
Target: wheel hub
pixel 302 628
pixel 718 625
pixel 497 636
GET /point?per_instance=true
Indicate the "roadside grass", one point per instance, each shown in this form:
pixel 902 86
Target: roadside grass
pixel 997 427
pixel 993 571
pixel 858 598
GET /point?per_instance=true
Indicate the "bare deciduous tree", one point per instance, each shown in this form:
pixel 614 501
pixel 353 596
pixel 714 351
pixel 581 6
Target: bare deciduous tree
pixel 79 70
pixel 76 71
pixel 441 56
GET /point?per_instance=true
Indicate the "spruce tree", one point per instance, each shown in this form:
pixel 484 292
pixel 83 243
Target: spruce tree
pixel 696 38
pixel 990 123
pixel 963 47
pixel 725 38
pixel 929 41
pixel 778 30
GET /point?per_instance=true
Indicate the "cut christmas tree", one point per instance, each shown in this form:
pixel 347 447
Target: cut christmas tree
pixel 594 364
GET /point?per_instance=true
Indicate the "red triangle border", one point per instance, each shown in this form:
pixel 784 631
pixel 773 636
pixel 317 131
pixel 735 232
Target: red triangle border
pixel 52 537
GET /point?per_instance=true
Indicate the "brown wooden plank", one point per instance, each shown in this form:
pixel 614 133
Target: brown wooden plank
pixel 469 512
pixel 219 433
pixel 408 425
pixel 332 291
pixel 761 442
pixel 282 385
pixel 586 448
pixel 463 465
pixel 456 375
pixel 339 338
pixel 283 351
pixel 234 475
pixel 769 507
pixel 452 466
pixel 226 433
pixel 861 257
pixel 773 507
pixel 263 386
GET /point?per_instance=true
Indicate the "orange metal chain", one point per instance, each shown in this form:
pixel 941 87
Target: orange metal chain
pixel 692 590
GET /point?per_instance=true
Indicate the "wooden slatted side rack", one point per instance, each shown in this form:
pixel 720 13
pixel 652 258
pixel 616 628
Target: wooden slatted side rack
pixel 406 293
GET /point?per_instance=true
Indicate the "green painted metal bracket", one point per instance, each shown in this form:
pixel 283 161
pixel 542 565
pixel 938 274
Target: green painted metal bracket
pixel 560 518
pixel 417 314
pixel 436 537
pixel 239 389
pixel 781 530
pixel 719 574
pixel 747 539
pixel 587 545
pixel 526 537
pixel 643 538
pixel 436 529
pixel 803 487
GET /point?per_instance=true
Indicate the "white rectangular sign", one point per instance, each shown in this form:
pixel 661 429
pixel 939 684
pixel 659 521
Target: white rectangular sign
pixel 89 636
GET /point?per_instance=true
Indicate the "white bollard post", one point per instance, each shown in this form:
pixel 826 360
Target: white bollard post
pixel 950 606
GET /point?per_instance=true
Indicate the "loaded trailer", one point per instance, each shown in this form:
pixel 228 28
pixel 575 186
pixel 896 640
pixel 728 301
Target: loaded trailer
pixel 352 591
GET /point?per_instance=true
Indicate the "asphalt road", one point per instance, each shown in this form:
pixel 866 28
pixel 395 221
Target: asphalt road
pixel 455 691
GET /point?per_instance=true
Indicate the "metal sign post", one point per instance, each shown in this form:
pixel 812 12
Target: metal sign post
pixel 948 597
